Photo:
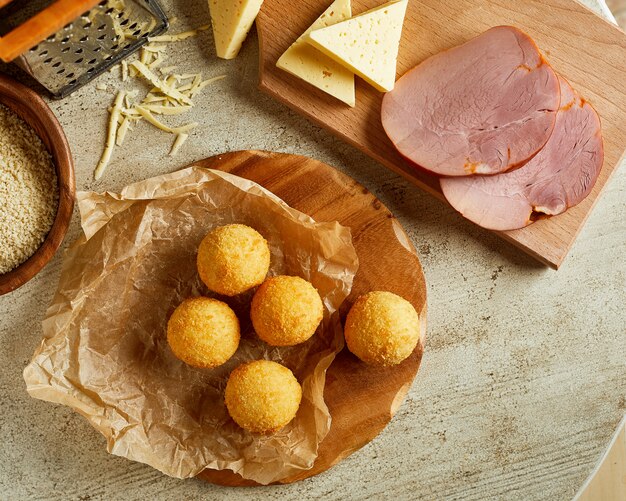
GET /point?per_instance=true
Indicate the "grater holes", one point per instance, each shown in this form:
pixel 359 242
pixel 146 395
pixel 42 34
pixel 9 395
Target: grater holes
pixel 102 26
pixel 102 37
pixel 97 53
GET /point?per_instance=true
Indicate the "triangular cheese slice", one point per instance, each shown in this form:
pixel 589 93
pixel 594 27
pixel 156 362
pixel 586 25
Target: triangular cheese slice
pixel 367 44
pixel 231 20
pixel 309 64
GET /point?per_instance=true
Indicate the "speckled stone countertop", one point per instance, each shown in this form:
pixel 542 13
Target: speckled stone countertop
pixel 524 377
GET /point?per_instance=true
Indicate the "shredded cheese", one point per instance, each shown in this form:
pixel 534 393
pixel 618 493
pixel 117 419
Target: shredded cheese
pixel 150 118
pixel 144 55
pixel 124 70
pixel 156 62
pixel 154 48
pixel 119 31
pixel 179 36
pixel 121 131
pixel 110 143
pixel 204 83
pixel 160 109
pixel 170 94
pixel 160 84
pixel 152 98
pixel 178 142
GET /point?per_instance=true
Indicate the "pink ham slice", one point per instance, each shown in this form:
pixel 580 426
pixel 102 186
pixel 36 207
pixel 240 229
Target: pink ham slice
pixel 483 107
pixel 561 175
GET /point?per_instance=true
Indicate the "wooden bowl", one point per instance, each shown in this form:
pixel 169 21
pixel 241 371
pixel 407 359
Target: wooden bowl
pixel 35 112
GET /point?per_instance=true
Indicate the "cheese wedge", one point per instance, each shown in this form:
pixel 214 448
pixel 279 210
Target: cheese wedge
pixel 366 44
pixel 231 20
pixel 318 69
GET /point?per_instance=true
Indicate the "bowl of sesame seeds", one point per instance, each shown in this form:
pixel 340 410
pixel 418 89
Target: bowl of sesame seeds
pixel 37 185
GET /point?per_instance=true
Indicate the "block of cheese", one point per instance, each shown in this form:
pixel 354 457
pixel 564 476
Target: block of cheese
pixel 231 20
pixel 366 44
pixel 311 65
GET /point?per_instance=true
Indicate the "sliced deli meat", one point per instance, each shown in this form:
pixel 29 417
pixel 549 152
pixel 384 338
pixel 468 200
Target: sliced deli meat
pixel 483 107
pixel 561 175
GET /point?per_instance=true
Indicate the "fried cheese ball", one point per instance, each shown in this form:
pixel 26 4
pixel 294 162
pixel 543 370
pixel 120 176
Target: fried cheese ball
pixel 262 396
pixel 286 310
pixel 233 259
pixel 203 332
pixel 382 328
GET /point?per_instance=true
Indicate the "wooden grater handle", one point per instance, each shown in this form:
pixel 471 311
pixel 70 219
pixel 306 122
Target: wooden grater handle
pixel 41 25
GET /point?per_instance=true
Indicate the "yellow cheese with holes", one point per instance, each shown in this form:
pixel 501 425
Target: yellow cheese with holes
pixel 231 20
pixel 366 44
pixel 318 69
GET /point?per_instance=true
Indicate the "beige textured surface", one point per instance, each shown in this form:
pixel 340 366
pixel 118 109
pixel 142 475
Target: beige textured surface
pixel 524 376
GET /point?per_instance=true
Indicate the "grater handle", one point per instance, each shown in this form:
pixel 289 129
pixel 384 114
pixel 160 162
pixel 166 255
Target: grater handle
pixel 41 25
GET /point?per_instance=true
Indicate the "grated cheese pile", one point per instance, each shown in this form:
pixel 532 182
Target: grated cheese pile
pixel 171 94
pixel 29 194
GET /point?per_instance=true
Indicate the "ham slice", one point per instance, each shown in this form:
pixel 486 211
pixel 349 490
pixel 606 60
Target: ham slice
pixel 483 107
pixel 561 175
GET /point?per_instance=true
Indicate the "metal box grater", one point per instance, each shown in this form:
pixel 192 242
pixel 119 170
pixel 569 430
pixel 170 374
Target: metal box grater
pixel 89 45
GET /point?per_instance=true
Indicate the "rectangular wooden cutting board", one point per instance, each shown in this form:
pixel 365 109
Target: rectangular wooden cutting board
pixel 584 48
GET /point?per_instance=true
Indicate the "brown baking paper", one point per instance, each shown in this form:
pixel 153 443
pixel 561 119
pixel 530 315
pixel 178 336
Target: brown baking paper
pixel 105 352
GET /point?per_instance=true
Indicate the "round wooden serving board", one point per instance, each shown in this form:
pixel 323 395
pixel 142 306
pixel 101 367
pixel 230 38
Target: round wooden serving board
pixel 362 399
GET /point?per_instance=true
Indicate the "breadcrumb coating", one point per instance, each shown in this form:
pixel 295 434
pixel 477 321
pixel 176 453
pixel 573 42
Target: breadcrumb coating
pixel 232 259
pixel 286 310
pixel 29 194
pixel 382 328
pixel 203 332
pixel 262 396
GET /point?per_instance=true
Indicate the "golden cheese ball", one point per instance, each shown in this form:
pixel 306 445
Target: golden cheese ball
pixel 382 328
pixel 286 310
pixel 262 396
pixel 203 332
pixel 233 259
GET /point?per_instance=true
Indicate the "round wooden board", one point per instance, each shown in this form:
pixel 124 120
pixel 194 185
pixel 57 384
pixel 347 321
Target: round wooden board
pixel 362 399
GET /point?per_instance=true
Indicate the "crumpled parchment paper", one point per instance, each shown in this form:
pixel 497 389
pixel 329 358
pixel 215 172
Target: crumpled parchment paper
pixel 105 351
